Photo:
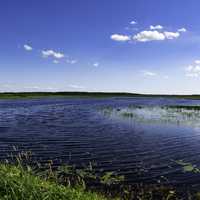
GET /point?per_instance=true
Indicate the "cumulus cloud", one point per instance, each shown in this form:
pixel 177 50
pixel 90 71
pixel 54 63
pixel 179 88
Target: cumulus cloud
pixel 28 47
pixel 155 33
pixel 52 53
pixel 182 30
pixel 197 62
pixel 157 27
pixel 96 64
pixel 120 38
pixel 193 71
pixel 133 22
pixel 146 36
pixel 148 73
pixel 171 35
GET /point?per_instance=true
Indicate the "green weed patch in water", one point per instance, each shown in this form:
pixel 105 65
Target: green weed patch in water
pixel 128 114
pixel 175 114
pixel 188 167
pixel 184 107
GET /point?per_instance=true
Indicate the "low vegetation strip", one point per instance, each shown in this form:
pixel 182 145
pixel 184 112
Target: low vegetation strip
pixel 19 95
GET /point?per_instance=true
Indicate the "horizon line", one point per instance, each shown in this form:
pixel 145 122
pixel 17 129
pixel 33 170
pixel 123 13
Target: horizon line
pixel 98 92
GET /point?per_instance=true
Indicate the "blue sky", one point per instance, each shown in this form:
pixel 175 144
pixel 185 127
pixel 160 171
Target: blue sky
pixel 100 45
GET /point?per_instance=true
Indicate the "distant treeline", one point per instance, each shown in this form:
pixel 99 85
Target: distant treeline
pixel 8 95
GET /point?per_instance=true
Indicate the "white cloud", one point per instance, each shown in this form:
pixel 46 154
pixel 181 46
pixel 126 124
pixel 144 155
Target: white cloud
pixel 133 22
pixel 51 53
pixel 171 35
pixel 74 86
pixel 71 61
pixel 189 68
pixel 120 38
pixel 192 71
pixel 96 64
pixel 146 36
pixel 28 47
pixel 155 33
pixel 182 30
pixel 157 27
pixel 148 73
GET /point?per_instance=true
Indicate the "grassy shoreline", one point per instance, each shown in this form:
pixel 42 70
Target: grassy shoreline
pixel 23 183
pixel 29 95
pixel 23 178
pixel 19 184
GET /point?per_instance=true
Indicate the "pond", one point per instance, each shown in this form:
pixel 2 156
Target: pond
pixel 146 139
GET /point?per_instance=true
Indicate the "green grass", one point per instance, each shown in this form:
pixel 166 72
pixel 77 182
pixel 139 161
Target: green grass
pixel 19 184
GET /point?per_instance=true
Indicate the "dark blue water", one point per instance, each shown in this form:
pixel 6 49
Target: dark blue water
pixel 75 131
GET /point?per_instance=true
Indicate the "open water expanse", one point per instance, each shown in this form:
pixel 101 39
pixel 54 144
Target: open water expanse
pixel 137 137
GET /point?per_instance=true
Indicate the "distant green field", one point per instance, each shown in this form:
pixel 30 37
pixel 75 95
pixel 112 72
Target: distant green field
pixel 19 95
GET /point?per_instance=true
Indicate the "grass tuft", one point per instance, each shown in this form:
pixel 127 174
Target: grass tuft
pixel 19 184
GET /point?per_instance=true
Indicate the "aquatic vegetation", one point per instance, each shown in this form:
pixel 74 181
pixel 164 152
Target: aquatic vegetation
pixel 20 184
pixel 109 178
pixel 188 167
pixel 173 114
pixel 107 110
pixel 21 180
pixel 127 114
pixel 184 107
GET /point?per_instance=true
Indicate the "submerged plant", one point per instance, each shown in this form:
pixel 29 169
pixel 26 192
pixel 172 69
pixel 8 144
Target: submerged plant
pixel 187 167
pixel 127 114
pixel 110 178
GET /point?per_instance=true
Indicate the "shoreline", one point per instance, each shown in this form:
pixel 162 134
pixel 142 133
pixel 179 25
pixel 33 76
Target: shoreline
pixel 32 95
